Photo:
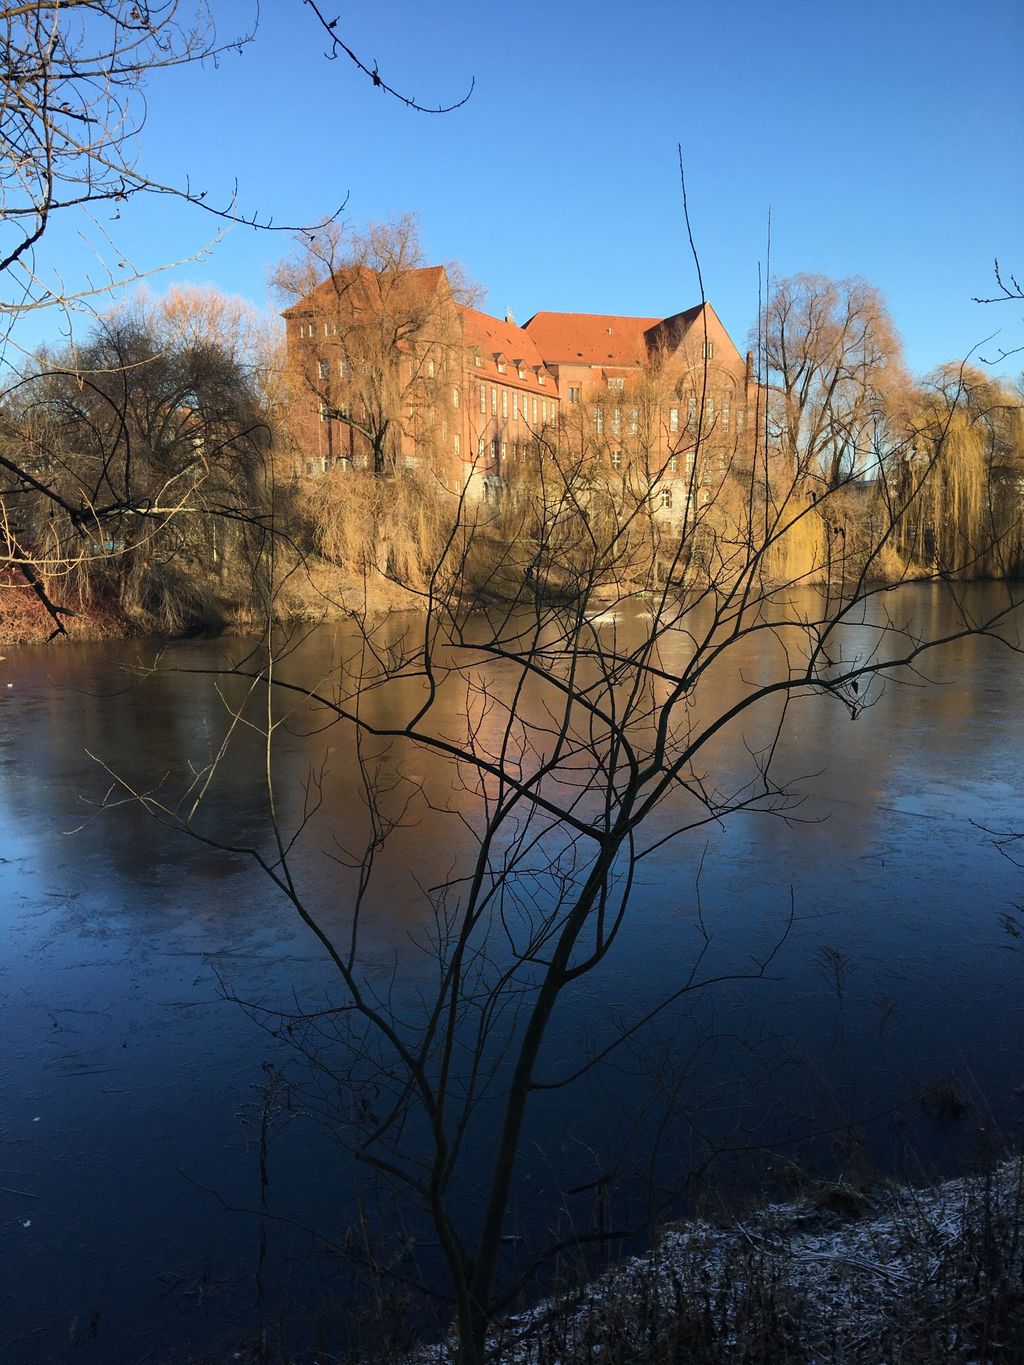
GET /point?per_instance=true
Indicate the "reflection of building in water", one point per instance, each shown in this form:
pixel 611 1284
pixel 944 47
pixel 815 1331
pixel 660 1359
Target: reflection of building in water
pixel 394 372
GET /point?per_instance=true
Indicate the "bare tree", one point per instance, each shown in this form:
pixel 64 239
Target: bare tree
pixel 833 363
pixel 376 345
pixel 144 457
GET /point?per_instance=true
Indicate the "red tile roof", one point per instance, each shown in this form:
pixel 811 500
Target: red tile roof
pixel 491 337
pixel 605 339
pixel 590 338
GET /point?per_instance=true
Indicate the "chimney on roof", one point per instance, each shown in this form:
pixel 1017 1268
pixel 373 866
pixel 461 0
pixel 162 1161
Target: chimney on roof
pixel 509 318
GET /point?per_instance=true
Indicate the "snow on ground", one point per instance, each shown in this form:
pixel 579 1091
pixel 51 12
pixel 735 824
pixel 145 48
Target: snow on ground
pixel 829 1285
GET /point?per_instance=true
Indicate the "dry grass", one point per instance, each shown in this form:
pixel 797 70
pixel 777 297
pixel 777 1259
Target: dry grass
pixel 908 1277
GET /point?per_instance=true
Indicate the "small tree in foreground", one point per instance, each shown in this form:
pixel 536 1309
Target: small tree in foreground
pixel 565 749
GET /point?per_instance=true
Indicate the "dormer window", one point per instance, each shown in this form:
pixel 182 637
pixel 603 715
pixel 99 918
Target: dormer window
pixel 521 372
pixel 501 367
pixel 541 377
pixel 478 362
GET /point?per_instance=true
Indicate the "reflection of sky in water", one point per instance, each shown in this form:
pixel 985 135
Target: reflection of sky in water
pixel 123 1066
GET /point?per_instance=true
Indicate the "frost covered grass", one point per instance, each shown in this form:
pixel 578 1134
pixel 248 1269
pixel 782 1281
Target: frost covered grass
pixel 901 1275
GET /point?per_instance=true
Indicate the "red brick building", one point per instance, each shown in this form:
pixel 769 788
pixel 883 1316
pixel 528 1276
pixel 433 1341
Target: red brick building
pixel 396 372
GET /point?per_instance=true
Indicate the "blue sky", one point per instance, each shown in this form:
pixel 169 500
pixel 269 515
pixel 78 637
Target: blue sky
pixel 885 138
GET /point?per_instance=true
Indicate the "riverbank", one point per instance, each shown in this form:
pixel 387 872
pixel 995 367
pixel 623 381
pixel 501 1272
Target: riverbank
pixel 320 594
pixel 845 1275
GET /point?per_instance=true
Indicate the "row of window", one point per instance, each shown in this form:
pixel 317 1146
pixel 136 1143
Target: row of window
pixel 543 409
pixel 311 329
pixel 615 417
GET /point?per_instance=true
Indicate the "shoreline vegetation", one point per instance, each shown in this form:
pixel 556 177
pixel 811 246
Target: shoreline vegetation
pixel 336 597
pixel 848 1273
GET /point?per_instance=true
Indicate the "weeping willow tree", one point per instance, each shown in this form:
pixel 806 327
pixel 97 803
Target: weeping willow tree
pixel 362 524
pixel 965 449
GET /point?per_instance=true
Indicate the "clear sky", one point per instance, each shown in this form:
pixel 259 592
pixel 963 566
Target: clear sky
pixel 886 138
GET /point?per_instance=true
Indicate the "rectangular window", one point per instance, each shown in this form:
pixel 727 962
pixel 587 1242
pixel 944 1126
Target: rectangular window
pixel 666 498
pixel 543 411
pixel 741 418
pixel 494 449
pixel 344 369
pixel 599 421
pixel 455 398
pixel 574 393
pixel 673 419
pixel 494 401
pixel 535 412
pixel 616 421
pixel 616 458
pixel 504 401
pixel 322 408
pixel 483 398
pixel 430 369
pixel 691 412
pixel 457 443
pixel 503 450
pixel 480 446
pixel 709 407
pixel 541 379
pixel 325 369
pixel 634 421
pixel 521 372
pixel 617 384
pixel 708 350
pixel 326 330
pixel 501 367
pixel 477 361
pixel 725 415
pixel 515 406
pixel 673 464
